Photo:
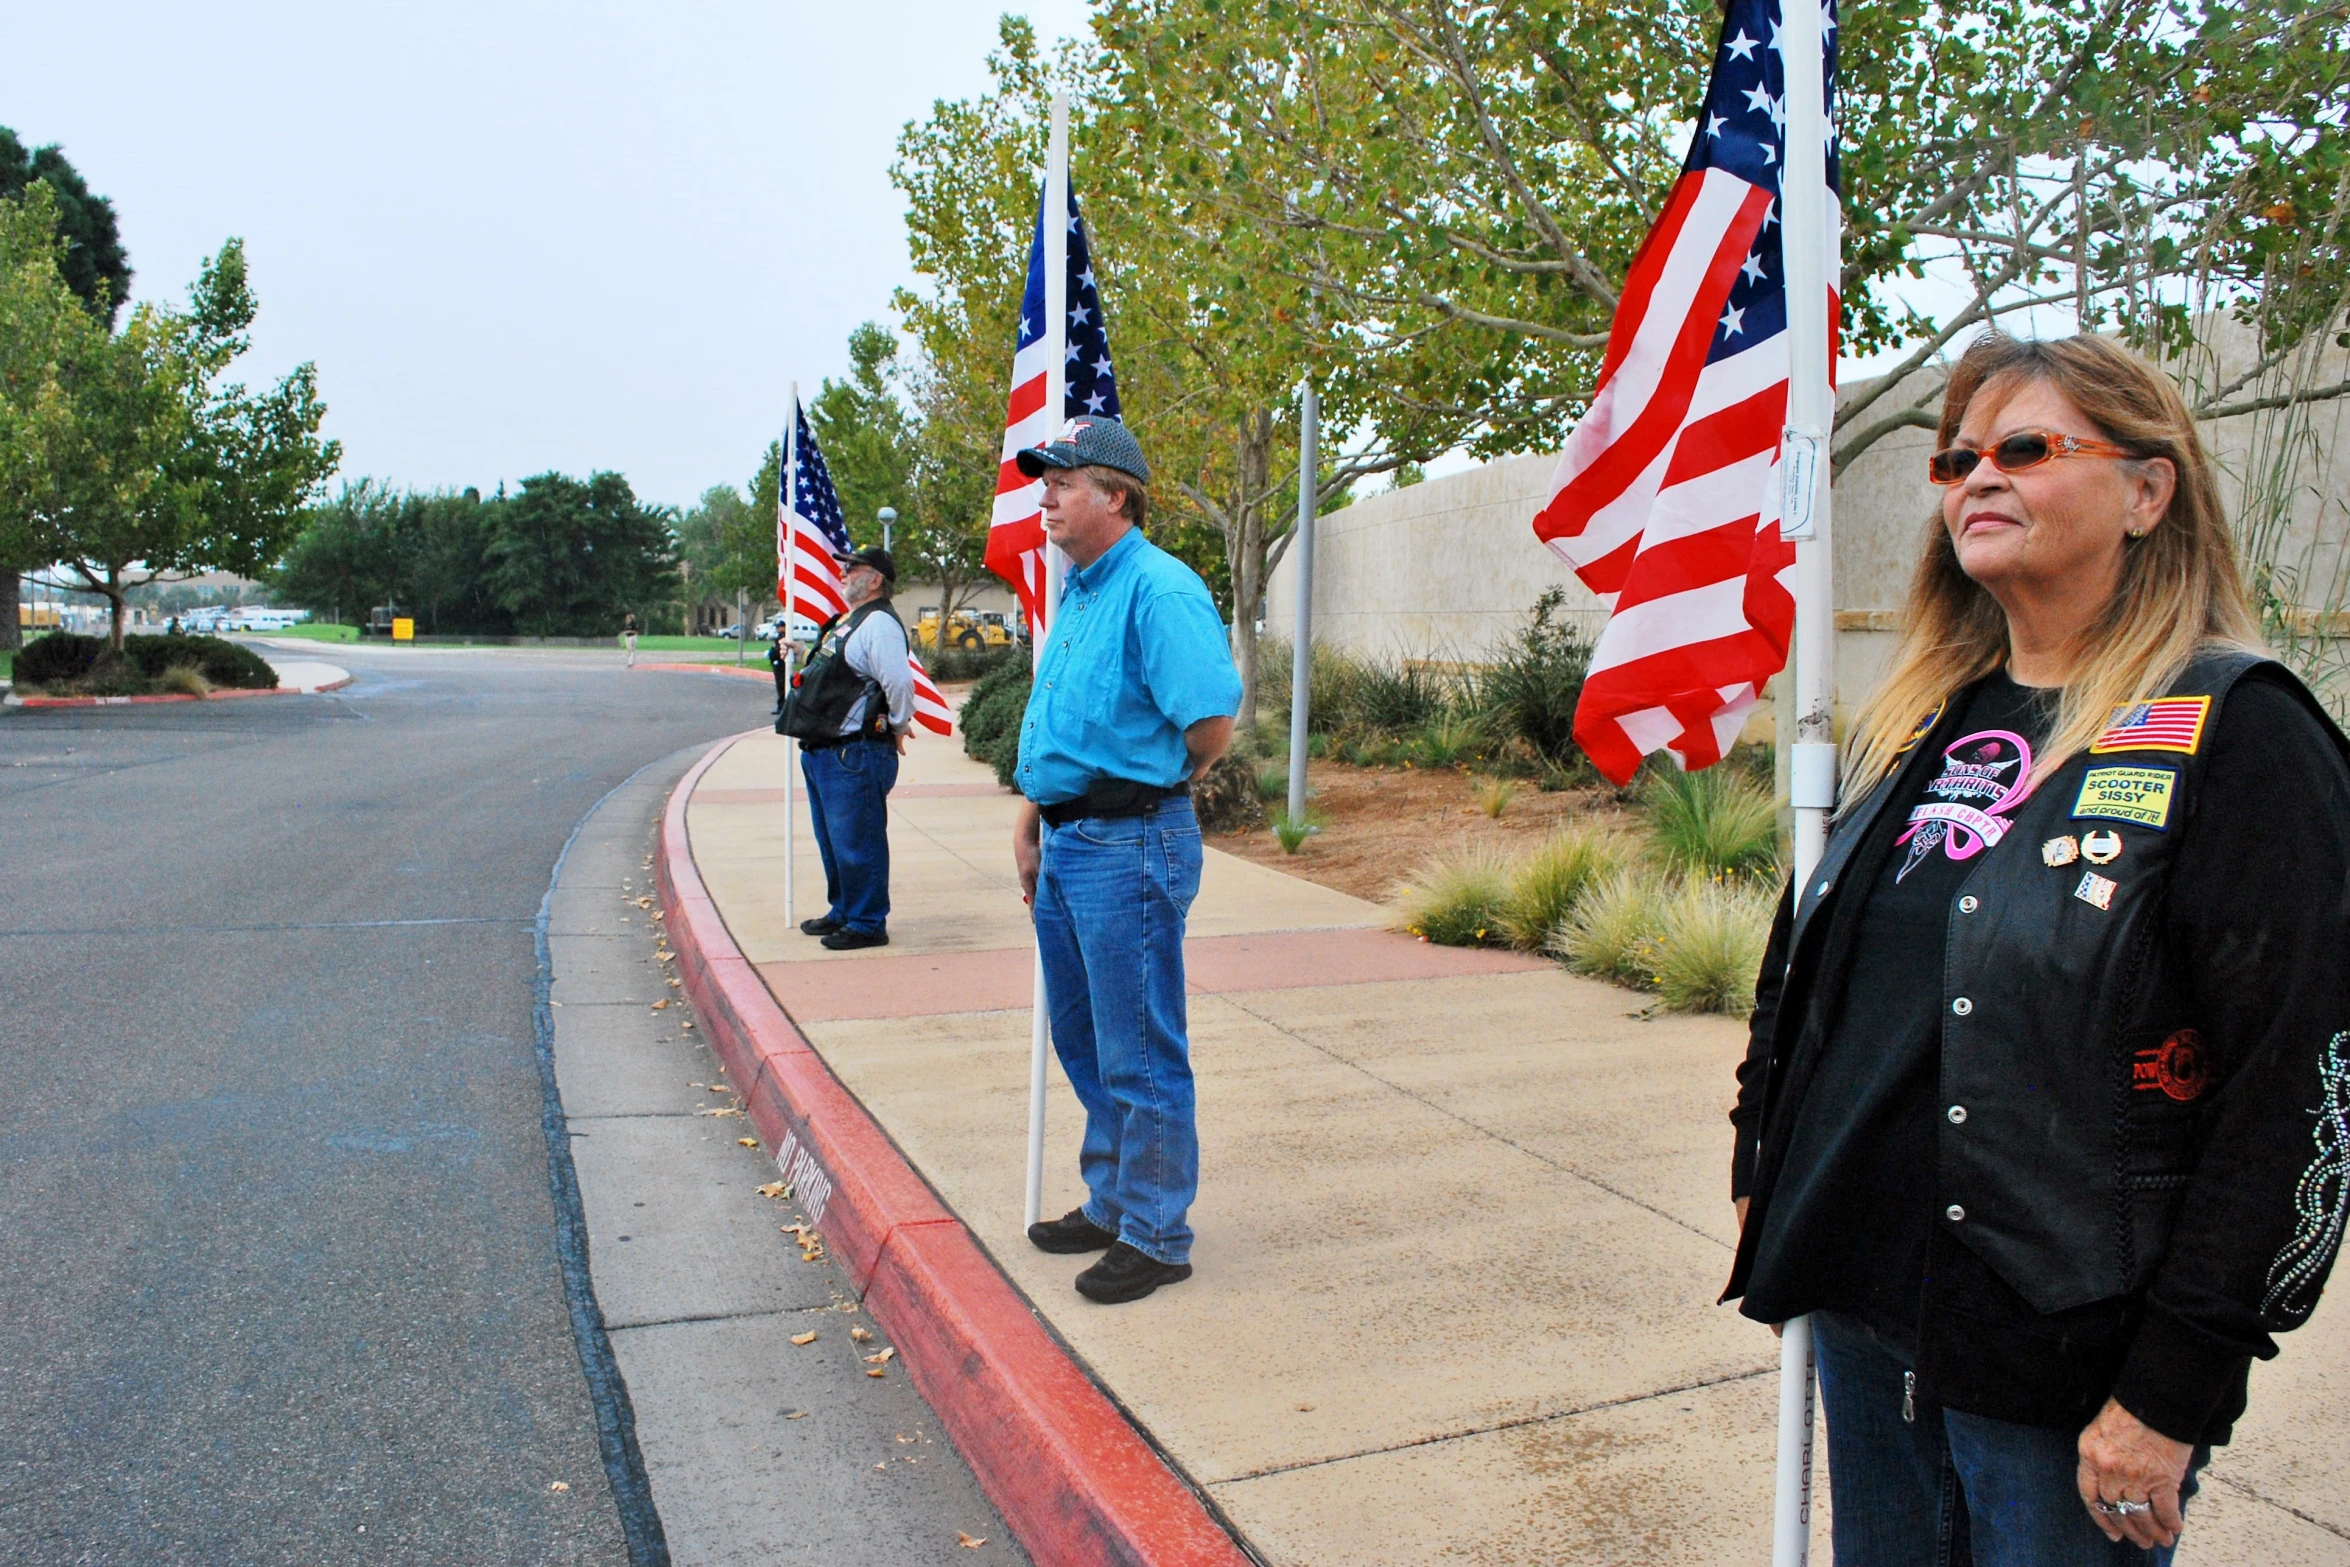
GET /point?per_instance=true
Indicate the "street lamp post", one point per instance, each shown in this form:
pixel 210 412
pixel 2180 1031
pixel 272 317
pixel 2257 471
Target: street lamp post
pixel 889 517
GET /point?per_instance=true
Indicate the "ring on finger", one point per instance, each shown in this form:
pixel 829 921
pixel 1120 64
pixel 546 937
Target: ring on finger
pixel 2123 1508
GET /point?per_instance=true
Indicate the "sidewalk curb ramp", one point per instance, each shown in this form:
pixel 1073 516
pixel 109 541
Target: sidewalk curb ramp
pixel 1075 1481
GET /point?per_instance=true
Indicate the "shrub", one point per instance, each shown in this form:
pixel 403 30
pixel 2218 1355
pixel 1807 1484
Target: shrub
pixel 1494 796
pixel 1530 692
pixel 959 663
pixel 1615 928
pixel 1273 782
pixel 1545 887
pixel 1447 740
pixel 1225 796
pixel 184 679
pixel 1391 698
pixel 991 717
pixel 1711 944
pixel 221 663
pixel 1711 822
pixel 1456 902
pixel 57 659
pixel 1293 831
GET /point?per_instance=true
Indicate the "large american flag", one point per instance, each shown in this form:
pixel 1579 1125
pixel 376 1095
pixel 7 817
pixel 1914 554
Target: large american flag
pixel 1015 537
pixel 1666 501
pixel 808 529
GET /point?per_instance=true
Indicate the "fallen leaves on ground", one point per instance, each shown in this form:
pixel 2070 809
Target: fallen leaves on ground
pixel 677 982
pixel 882 1359
pixel 748 1142
pixel 970 1542
pixel 808 1337
pixel 644 903
pixel 722 1110
pixel 877 1372
pixel 861 1335
pixel 797 1414
pixel 559 1487
pixel 775 1189
pixel 658 1005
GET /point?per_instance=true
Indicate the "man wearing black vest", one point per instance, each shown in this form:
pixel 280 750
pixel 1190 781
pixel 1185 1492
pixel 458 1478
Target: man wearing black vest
pixel 851 709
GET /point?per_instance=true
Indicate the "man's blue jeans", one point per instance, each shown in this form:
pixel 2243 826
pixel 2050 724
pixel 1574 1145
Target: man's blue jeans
pixel 848 804
pixel 1111 898
pixel 1948 1489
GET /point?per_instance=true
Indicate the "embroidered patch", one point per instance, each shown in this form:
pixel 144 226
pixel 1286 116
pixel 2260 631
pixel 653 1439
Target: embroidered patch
pixel 2140 795
pixel 2171 723
pixel 2321 1200
pixel 1984 777
pixel 2177 1068
pixel 2096 891
pixel 1925 727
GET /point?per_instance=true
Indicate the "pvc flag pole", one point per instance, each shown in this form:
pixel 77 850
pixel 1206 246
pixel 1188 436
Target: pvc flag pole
pixel 1309 420
pixel 1809 241
pixel 788 525
pixel 1056 393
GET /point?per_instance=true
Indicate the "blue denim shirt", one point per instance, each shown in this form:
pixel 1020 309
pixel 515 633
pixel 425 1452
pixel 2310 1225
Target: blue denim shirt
pixel 1135 656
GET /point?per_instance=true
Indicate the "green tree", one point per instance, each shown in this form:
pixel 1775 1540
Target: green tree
pixel 167 469
pixel 725 549
pixel 567 557
pixel 93 263
pixel 425 552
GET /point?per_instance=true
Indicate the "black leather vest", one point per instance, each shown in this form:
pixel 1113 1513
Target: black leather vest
pixel 2074 1084
pixel 822 694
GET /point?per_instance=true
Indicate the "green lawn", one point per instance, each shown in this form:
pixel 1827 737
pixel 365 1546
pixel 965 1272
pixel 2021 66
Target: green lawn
pixel 726 645
pixel 316 631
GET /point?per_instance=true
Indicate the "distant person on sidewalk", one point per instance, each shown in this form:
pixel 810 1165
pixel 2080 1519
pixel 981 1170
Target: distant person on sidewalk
pixel 628 638
pixel 1134 697
pixel 851 709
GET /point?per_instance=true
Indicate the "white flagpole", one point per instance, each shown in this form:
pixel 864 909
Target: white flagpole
pixel 1056 392
pixel 790 523
pixel 1808 237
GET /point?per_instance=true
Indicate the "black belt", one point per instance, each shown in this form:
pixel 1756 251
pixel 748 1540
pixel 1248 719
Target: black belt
pixel 1109 799
pixel 834 742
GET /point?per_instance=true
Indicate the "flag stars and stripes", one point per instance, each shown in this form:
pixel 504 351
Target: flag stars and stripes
pixel 1666 499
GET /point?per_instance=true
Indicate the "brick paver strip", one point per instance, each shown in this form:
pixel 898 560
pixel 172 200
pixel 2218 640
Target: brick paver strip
pixel 1072 1477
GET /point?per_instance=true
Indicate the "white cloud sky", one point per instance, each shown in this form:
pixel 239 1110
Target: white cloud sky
pixel 516 236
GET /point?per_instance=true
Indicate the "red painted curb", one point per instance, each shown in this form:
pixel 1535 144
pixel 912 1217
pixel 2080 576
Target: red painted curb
pixel 1075 1482
pixel 160 696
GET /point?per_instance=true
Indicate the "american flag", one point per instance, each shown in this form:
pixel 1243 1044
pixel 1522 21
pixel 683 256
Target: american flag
pixel 808 530
pixel 1666 501
pixel 2171 723
pixel 1015 537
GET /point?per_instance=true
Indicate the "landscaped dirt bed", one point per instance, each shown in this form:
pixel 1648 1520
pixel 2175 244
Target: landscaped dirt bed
pixel 1381 824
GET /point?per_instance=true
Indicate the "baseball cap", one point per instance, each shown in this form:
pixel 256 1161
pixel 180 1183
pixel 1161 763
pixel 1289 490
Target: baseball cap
pixel 1087 441
pixel 876 557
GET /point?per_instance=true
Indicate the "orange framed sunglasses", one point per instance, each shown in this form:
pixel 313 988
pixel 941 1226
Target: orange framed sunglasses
pixel 2014 453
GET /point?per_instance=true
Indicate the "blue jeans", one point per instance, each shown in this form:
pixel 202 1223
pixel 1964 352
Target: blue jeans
pixel 848 803
pixel 1111 898
pixel 1948 1489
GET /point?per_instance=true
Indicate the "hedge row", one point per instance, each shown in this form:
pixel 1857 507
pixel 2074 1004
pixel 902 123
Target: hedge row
pixel 67 659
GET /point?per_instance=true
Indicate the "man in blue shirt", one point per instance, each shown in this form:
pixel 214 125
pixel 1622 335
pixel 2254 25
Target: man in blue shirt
pixel 1134 697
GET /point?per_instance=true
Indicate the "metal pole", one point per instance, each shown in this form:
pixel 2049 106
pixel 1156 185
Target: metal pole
pixel 1301 667
pixel 1054 219
pixel 787 530
pixel 1807 237
pixel 889 517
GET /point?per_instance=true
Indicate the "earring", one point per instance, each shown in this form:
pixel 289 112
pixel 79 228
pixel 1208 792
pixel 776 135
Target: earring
pixel 2137 533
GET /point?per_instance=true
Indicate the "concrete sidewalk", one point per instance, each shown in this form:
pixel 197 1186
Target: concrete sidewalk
pixel 1461 1223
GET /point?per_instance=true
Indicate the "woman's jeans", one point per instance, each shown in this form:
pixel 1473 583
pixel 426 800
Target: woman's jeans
pixel 1111 898
pixel 848 805
pixel 1947 1489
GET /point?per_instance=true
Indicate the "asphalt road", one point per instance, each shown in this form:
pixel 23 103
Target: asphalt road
pixel 282 1277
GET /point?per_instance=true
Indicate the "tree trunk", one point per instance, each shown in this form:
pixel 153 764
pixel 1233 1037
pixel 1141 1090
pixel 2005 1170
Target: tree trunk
pixel 114 611
pixel 1244 549
pixel 10 598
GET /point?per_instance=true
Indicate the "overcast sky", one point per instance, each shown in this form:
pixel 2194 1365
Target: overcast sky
pixel 513 236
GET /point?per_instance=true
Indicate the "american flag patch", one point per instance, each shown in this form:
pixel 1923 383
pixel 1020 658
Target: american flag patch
pixel 2171 723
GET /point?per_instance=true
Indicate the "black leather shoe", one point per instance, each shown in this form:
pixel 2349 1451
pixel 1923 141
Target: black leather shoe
pixel 846 940
pixel 1070 1234
pixel 821 925
pixel 1125 1274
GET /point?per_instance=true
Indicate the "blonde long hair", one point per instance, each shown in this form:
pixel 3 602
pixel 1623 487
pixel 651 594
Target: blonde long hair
pixel 2179 589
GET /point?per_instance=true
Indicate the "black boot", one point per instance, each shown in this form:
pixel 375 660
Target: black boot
pixel 1125 1274
pixel 1070 1234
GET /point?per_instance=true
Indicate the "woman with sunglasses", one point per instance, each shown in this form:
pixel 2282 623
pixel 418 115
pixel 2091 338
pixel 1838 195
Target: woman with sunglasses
pixel 2045 1120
